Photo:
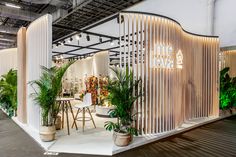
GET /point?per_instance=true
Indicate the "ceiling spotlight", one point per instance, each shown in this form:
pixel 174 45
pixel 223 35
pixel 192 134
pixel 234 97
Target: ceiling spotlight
pixel 78 36
pixel 100 39
pixel 12 5
pixel 112 43
pixel 63 42
pixel 88 38
pixel 70 40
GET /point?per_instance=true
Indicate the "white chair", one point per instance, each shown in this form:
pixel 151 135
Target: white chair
pixel 83 107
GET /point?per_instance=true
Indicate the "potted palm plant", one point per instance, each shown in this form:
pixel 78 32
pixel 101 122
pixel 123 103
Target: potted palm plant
pixel 47 89
pixel 121 95
pixel 8 92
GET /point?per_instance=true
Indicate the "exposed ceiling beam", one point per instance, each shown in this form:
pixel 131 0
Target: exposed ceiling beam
pixel 58 3
pixel 6 43
pixel 84 31
pixel 9 36
pixel 6 39
pixel 77 6
pixel 17 14
pixel 88 47
pixel 22 5
pixel 57 15
pixel 8 30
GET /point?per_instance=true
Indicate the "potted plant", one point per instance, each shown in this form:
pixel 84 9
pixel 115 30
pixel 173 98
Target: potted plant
pixel 8 92
pixel 227 92
pixel 121 95
pixel 48 87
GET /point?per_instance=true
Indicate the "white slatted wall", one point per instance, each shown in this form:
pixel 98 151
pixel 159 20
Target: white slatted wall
pixel 38 45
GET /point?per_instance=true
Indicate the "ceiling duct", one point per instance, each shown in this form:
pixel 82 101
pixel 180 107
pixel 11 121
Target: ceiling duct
pixel 17 14
pixel 57 3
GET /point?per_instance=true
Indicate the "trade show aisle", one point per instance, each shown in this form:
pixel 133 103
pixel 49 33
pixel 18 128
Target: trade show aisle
pixel 15 142
pixel 203 141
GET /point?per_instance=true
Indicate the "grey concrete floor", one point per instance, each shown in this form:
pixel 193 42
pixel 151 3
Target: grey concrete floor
pixel 213 140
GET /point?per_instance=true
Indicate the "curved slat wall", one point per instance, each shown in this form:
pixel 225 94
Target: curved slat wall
pixel 38 45
pixel 171 94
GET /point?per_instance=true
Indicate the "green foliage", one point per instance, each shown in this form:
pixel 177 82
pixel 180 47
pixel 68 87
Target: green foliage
pixel 227 90
pixel 48 88
pixel 8 92
pixel 121 94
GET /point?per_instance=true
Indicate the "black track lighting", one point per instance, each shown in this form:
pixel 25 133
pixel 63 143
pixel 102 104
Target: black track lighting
pixel 88 38
pixel 100 39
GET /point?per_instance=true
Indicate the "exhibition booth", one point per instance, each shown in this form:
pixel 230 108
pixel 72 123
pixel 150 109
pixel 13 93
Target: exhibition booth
pixel 178 72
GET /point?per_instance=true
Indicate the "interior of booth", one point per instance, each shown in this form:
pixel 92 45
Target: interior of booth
pixel 94 50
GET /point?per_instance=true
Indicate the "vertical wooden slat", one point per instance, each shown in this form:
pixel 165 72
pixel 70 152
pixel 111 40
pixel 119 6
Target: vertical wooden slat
pixel 137 60
pixel 148 71
pixel 120 40
pixel 142 72
pixel 124 34
pixel 145 74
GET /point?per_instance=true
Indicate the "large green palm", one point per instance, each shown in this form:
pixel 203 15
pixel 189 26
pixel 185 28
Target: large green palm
pixel 48 88
pixel 8 91
pixel 122 94
pixel 227 89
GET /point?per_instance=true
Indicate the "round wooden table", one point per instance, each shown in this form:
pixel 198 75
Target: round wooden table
pixel 64 104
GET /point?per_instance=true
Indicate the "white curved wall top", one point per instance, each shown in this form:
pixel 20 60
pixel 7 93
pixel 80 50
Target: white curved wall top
pixel 38 46
pixel 8 60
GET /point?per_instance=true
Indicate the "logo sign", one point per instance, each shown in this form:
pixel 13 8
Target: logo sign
pixel 179 59
pixel 165 58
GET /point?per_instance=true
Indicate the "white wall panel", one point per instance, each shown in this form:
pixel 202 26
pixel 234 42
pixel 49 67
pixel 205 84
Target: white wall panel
pixel 38 45
pixel 8 60
pixel 101 63
pixel 96 65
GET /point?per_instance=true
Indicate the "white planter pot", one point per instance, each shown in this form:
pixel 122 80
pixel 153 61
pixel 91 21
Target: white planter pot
pixel 47 133
pixel 121 139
